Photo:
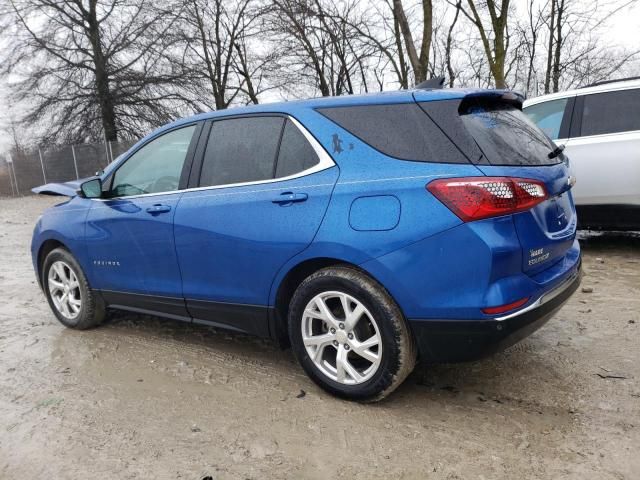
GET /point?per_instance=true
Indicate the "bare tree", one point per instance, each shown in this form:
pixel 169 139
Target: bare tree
pixel 217 35
pixel 530 34
pixel 576 52
pixel 379 33
pixel 449 45
pixel 550 45
pixel 113 68
pixel 92 68
pixel 419 61
pixel 321 43
pixel 495 50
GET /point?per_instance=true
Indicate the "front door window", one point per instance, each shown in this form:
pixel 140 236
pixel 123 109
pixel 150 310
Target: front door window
pixel 156 167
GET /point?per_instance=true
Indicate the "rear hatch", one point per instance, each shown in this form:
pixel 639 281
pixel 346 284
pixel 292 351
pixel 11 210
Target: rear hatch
pixel 491 130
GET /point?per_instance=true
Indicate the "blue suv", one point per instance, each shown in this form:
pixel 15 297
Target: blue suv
pixel 365 231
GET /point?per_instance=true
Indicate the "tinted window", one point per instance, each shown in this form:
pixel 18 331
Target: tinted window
pixel 241 150
pixel 611 112
pixel 156 167
pixel 548 116
pixel 296 154
pixel 506 136
pixel 403 131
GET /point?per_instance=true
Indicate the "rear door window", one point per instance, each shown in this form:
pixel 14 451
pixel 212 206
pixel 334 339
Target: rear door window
pixel 505 135
pixel 241 150
pixel 296 154
pixel 611 112
pixel 548 116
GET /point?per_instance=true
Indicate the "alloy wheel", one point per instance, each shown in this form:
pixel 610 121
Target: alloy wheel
pixel 64 289
pixel 341 337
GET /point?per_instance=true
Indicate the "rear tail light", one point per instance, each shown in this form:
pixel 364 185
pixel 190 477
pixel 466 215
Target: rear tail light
pixel 473 198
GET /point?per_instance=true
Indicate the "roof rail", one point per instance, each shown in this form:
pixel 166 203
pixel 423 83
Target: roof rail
pixel 432 83
pixel 604 82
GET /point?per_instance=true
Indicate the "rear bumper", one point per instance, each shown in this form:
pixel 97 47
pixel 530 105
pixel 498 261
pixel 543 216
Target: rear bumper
pixel 464 340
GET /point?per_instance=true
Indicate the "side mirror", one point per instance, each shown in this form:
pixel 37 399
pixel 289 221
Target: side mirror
pixel 91 188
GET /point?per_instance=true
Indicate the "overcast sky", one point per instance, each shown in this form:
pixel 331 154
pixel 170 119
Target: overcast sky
pixel 622 29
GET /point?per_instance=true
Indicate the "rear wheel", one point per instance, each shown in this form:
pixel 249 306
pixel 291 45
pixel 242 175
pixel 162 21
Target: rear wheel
pixel 349 335
pixel 68 292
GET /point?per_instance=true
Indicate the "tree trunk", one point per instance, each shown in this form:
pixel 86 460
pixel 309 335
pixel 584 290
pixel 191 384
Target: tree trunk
pixel 419 63
pixel 205 50
pixel 402 64
pixel 103 92
pixel 497 53
pixel 107 109
pixel 497 66
pixel 427 32
pixel 552 32
pixel 246 74
pixel 450 71
pixel 558 48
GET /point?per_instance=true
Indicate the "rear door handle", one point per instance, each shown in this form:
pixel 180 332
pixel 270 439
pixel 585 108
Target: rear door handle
pixel 287 198
pixel 158 208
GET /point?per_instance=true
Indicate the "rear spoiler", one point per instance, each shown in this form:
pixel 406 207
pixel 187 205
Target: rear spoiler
pixel 508 97
pixel 469 96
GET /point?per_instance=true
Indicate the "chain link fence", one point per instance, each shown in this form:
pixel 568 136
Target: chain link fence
pixel 20 171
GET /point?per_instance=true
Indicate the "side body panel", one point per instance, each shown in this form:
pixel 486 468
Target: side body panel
pixel 231 241
pixel 131 248
pixel 64 223
pixel 366 173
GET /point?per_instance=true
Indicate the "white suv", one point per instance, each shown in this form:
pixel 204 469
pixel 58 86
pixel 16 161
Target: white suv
pixel 600 127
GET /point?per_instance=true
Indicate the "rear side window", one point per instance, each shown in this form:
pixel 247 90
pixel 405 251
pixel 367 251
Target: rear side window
pixel 505 135
pixel 548 116
pixel 241 150
pixel 296 154
pixel 611 112
pixel 402 131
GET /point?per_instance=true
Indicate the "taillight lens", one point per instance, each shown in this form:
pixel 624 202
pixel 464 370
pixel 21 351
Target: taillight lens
pixel 473 198
pixel 505 308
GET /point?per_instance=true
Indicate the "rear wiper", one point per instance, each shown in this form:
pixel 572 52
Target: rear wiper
pixel 556 151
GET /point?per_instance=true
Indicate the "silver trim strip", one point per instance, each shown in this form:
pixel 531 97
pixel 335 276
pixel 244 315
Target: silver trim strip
pixel 325 163
pixel 547 297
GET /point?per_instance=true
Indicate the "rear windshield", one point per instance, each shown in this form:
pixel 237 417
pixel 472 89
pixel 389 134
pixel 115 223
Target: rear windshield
pixel 506 136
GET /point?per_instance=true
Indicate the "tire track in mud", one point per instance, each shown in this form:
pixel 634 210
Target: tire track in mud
pixel 246 369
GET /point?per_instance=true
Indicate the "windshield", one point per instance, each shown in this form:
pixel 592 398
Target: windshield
pixel 506 136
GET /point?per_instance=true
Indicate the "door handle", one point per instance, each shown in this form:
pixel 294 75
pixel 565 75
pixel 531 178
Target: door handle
pixel 287 198
pixel 158 208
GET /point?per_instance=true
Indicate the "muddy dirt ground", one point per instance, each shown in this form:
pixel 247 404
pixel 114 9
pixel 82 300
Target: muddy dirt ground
pixel 146 398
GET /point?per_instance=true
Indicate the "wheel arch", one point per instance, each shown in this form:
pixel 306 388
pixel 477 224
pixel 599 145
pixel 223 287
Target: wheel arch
pixel 288 285
pixel 45 248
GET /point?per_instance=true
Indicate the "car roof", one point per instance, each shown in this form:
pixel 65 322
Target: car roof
pixel 289 107
pixel 599 88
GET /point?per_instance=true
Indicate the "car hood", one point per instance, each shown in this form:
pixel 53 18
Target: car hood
pixel 65 189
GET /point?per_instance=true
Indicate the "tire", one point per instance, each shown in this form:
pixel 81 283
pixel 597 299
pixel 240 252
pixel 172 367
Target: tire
pixel 338 361
pixel 81 308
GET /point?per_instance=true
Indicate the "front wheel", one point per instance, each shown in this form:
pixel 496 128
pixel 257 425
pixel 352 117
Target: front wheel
pixel 349 335
pixel 68 292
